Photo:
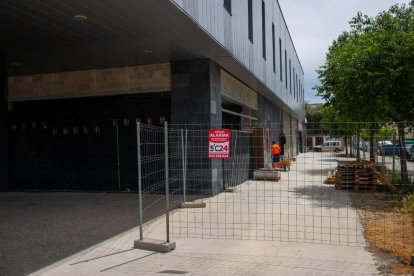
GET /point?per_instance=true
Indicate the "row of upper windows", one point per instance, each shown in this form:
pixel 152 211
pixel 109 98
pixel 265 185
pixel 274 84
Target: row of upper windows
pixel 298 91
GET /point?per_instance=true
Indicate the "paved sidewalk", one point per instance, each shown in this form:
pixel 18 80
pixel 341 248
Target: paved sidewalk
pixel 317 220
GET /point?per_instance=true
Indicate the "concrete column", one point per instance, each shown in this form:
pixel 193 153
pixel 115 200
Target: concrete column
pixel 196 101
pixel 4 136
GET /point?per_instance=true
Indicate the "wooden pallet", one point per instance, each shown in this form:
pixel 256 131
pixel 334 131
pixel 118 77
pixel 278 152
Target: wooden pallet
pixel 354 175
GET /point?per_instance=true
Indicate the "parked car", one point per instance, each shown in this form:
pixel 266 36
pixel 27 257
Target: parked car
pixel 409 141
pixel 363 145
pixel 385 146
pixel 412 153
pixel 389 150
pixel 384 143
pixel 407 149
pixel 332 145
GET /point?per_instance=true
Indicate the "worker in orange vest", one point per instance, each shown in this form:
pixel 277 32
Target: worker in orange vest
pixel 275 155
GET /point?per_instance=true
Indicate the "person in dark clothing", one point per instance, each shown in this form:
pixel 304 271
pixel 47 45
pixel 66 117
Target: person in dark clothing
pixel 282 142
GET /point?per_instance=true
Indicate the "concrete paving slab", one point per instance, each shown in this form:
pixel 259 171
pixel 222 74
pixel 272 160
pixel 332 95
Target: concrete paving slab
pixel 297 226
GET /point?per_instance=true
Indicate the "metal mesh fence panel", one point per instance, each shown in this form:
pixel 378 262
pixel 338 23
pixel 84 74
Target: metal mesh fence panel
pixel 336 183
pixel 152 172
pixel 332 194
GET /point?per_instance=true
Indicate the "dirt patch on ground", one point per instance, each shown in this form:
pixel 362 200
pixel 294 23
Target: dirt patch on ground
pixel 388 232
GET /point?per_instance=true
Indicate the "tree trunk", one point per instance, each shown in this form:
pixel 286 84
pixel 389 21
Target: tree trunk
pixel 357 145
pixel 372 147
pixel 346 146
pixel 403 157
pixel 351 145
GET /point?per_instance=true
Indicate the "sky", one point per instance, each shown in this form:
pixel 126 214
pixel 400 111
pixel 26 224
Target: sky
pixel 315 24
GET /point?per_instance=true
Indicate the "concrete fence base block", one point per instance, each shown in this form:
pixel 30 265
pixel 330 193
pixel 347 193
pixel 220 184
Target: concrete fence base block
pixel 194 204
pixel 154 245
pixel 267 174
pixel 232 190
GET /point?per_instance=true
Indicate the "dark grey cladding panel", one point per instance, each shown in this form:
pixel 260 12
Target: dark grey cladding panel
pixel 196 99
pixel 195 86
pixel 270 116
pixel 181 80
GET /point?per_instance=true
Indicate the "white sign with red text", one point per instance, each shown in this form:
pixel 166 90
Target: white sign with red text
pixel 219 143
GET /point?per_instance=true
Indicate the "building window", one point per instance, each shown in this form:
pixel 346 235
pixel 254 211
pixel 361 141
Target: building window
pixel 250 19
pixel 303 93
pixel 297 89
pixel 294 84
pixel 286 75
pixel 227 5
pixel 274 47
pixel 280 59
pixel 290 76
pixel 264 29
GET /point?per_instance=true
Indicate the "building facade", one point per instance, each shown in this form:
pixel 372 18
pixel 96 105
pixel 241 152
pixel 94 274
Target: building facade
pixel 76 76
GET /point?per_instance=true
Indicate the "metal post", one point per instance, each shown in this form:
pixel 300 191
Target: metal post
pixel 118 158
pixel 363 149
pixel 233 162
pixel 141 234
pixel 393 158
pixel 167 188
pixel 185 159
pixel 183 162
pixel 357 145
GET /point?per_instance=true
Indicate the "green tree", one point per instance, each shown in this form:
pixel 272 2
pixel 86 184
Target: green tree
pixel 368 75
pixel 314 114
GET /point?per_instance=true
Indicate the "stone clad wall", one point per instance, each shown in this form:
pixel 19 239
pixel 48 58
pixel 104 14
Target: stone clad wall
pixel 233 88
pixel 131 79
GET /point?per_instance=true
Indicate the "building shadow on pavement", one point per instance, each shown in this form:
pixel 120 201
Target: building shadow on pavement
pixel 325 196
pixel 318 172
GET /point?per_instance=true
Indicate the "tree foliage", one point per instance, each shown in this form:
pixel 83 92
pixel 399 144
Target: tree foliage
pixel 369 71
pixel 314 115
pixel 368 75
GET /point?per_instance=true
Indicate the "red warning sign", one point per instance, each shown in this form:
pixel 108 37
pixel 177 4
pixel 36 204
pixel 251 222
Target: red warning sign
pixel 219 143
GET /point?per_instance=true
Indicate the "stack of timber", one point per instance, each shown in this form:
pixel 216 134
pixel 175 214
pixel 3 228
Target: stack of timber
pixel 358 176
pixel 381 178
pixel 354 175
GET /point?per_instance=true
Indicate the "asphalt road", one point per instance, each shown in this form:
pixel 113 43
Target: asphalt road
pixel 38 229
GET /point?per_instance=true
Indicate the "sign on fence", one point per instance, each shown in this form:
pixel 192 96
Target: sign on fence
pixel 219 143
